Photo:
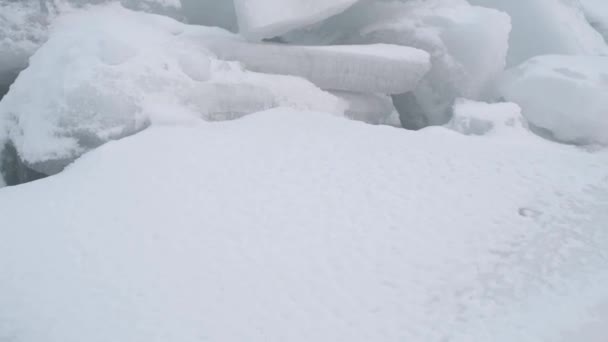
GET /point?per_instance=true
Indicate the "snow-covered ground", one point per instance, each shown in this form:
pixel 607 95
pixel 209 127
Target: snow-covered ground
pixel 207 184
pixel 300 226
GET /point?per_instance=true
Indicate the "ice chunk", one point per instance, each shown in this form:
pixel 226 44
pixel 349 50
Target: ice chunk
pixel 107 72
pixel 378 68
pixel 22 29
pixel 260 19
pixel 481 118
pixel 596 12
pixel 370 108
pixel 467 44
pixel 565 95
pixel 543 27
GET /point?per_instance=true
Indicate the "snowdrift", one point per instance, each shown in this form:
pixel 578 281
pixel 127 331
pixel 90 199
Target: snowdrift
pixel 300 226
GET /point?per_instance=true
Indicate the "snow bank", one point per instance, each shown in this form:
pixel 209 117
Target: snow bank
pixel 260 19
pixel 106 73
pixel 565 95
pixel 495 119
pixel 299 226
pixel 542 27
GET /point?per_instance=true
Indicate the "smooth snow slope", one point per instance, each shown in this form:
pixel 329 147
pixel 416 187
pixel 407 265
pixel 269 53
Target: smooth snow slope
pixel 287 226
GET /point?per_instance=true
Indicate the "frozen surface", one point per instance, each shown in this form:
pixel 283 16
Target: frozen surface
pixel 260 19
pixel 299 226
pixel 467 45
pixel 543 27
pixel 376 68
pixel 122 71
pixel 565 95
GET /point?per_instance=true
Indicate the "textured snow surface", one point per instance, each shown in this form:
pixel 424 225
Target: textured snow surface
pixel 299 226
pixel 543 27
pixel 565 95
pixel 270 18
pixel 107 72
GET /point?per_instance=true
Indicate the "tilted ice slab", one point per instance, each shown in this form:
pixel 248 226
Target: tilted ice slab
pixel 125 71
pixel 543 27
pixel 377 68
pixel 564 95
pixel 468 45
pixel 270 18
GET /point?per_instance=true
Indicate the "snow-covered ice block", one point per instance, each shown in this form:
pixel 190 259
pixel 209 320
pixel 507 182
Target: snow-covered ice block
pixel 543 27
pixel 370 108
pixel 564 95
pixel 23 27
pixel 481 118
pixel 467 44
pixel 378 68
pixel 260 19
pixel 107 72
pixel 596 12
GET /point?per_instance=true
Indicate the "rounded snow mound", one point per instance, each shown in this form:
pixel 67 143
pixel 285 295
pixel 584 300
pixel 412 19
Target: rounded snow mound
pixel 108 72
pixel 564 95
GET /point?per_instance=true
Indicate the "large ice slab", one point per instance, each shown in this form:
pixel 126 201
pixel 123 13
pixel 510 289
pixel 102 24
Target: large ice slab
pixel 379 68
pixel 563 95
pixel 468 45
pixel 260 19
pixel 543 27
pixel 125 71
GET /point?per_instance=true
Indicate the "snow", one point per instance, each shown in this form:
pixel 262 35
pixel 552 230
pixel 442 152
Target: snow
pixel 301 226
pixel 213 186
pixel 107 72
pixel 564 95
pixel 260 19
pixel 374 68
pixel 542 27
